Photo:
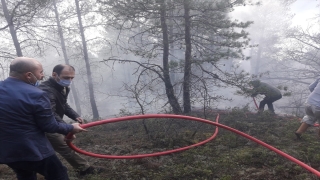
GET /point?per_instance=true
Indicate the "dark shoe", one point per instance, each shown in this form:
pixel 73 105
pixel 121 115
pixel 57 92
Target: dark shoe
pixel 91 170
pixel 298 135
pixel 272 112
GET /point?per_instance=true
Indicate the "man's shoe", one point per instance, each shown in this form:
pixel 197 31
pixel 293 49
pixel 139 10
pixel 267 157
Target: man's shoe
pixel 91 170
pixel 298 135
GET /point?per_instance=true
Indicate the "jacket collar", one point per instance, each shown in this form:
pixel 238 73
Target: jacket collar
pixel 14 79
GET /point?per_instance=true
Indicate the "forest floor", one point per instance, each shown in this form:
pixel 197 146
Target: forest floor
pixel 227 157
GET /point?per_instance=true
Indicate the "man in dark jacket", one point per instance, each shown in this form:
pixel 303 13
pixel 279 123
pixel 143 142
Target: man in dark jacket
pixel 58 89
pixel 271 93
pixel 25 117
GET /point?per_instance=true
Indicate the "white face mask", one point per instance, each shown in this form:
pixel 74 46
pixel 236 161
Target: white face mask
pixel 36 83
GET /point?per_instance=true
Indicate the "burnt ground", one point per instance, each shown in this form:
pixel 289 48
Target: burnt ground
pixel 227 157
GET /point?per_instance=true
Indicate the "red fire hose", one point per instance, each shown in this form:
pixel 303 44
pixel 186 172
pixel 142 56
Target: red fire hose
pixel 96 123
pixel 139 155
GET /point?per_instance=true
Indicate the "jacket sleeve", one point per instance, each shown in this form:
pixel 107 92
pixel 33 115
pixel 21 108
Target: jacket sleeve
pixel 255 91
pixel 45 118
pixel 70 112
pixel 52 99
pixel 264 89
pixel 313 85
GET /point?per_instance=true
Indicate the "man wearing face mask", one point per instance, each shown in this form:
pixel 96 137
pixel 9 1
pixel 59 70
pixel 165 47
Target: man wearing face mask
pixel 57 86
pixel 25 116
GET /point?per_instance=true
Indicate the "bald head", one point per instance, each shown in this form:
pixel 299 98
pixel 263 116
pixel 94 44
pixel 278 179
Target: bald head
pixel 21 65
pixel 26 69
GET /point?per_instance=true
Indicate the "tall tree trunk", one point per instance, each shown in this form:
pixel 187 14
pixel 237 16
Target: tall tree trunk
pixel 11 28
pixel 260 50
pixel 95 112
pixel 259 54
pixel 258 59
pixel 187 65
pixel 64 51
pixel 171 48
pixel 169 88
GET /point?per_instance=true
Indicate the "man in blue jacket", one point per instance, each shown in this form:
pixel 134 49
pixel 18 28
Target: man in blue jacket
pixel 25 117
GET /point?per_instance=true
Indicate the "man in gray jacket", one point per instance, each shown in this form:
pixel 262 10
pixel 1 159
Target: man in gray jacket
pixel 271 93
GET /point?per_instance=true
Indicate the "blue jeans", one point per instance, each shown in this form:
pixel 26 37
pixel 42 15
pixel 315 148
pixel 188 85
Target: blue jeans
pixel 51 168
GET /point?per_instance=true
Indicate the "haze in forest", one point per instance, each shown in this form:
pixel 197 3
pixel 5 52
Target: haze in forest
pixel 168 56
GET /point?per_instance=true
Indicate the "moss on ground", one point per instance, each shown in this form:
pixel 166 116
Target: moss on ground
pixel 227 157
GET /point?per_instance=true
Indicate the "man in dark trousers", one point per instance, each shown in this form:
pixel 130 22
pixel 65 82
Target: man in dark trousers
pixel 271 93
pixel 26 115
pixel 57 87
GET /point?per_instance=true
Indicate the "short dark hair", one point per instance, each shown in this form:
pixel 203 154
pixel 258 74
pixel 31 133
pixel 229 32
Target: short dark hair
pixel 58 68
pixel 22 67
